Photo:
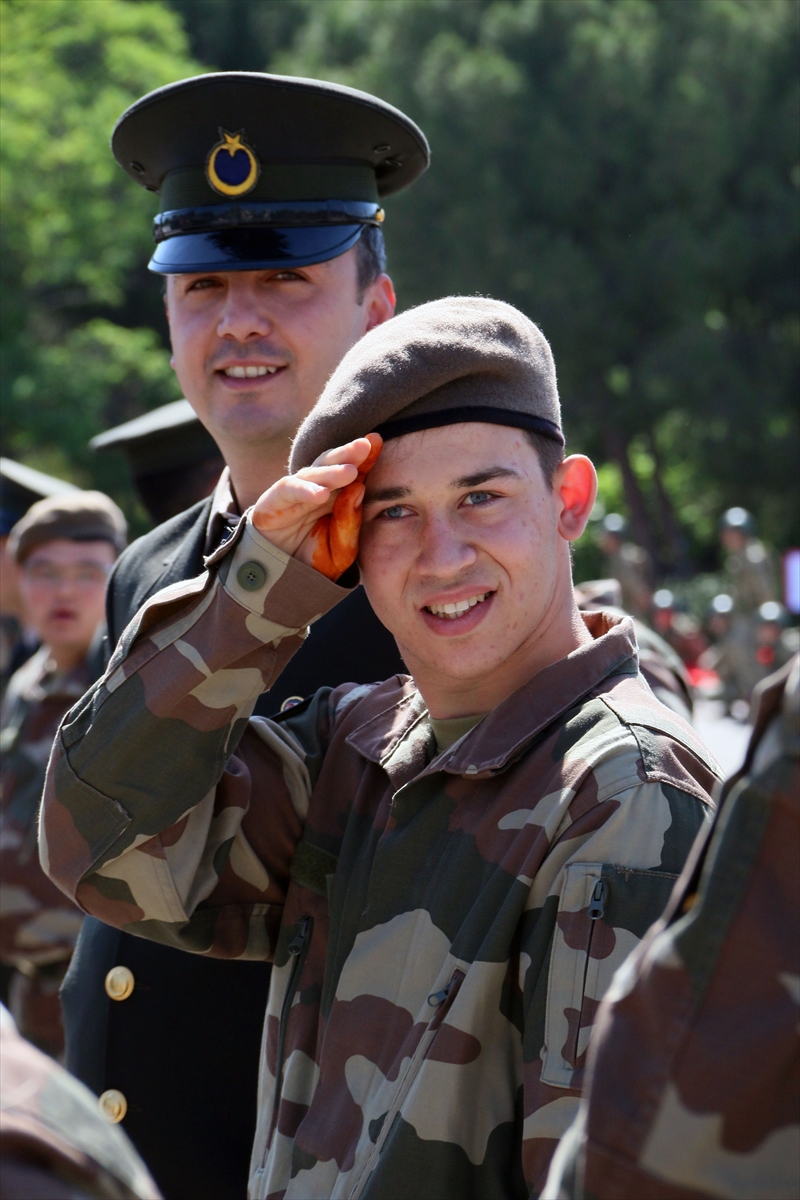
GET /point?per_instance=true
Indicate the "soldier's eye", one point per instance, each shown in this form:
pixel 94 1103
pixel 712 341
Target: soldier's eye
pixel 472 499
pixel 394 512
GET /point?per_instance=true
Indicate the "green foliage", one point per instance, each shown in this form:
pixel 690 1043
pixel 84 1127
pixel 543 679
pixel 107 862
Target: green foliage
pixel 625 172
pixel 75 232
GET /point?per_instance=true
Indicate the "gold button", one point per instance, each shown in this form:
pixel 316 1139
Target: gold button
pixel 119 983
pixel 113 1105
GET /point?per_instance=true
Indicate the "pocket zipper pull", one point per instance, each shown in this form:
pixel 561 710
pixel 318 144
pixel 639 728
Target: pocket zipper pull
pixel 299 940
pixel 597 904
pixel 437 998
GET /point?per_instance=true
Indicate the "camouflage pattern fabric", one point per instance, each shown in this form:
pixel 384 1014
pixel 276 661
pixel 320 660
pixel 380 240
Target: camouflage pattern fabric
pixel 442 926
pixel 38 927
pixel 54 1143
pixel 694 1087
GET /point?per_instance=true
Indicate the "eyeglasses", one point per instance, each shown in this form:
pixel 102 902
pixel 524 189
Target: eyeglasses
pixel 88 576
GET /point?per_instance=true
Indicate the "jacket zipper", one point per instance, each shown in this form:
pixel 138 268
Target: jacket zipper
pixel 595 912
pixel 436 1000
pixel 298 949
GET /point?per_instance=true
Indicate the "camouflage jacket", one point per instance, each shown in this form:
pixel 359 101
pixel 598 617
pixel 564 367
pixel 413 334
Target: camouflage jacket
pixel 54 1142
pixel 37 925
pixel 442 925
pixel 694 1085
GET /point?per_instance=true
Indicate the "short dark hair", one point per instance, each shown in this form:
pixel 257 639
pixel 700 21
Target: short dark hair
pixel 370 258
pixel 551 454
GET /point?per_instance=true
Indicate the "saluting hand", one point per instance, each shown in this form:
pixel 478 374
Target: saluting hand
pixel 315 515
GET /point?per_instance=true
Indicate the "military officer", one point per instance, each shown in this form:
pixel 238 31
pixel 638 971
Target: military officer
pixel 173 460
pixel 269 236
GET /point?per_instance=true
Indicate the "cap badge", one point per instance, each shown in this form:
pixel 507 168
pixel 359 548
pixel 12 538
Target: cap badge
pixel 232 168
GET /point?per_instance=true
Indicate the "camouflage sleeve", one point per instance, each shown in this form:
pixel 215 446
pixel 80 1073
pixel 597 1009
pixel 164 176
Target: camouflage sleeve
pixel 148 818
pixel 693 1076
pixel 608 876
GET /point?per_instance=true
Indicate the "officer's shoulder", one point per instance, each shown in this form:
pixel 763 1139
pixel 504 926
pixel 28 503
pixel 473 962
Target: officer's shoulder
pixel 159 543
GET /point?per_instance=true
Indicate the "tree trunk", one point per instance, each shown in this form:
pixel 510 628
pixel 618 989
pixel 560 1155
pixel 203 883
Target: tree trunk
pixel 641 525
pixel 670 528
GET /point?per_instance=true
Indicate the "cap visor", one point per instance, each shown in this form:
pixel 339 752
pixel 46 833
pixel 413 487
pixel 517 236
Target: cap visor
pixel 252 249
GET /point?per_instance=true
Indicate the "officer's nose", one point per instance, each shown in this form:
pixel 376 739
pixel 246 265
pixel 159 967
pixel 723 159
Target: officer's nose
pixel 244 315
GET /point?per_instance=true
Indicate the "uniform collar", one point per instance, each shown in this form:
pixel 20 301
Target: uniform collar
pixel 400 738
pixel 224 513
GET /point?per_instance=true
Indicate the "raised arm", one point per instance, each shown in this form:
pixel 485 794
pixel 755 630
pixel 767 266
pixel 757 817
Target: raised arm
pixel 148 818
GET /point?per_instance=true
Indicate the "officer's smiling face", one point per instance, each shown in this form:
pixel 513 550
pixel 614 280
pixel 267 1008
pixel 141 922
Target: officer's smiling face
pixel 464 553
pixel 253 349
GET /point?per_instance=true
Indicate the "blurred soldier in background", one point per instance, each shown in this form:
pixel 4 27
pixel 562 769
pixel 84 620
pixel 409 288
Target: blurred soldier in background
pixel 677 627
pixel 54 1144
pixel 776 642
pixel 751 582
pixel 628 563
pixel 658 662
pixel 172 458
pixel 64 548
pixel 20 487
pixel 748 565
pixel 692 1085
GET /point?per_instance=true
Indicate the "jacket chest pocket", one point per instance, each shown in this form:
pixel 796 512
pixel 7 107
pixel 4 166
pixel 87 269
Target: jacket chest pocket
pixel 603 913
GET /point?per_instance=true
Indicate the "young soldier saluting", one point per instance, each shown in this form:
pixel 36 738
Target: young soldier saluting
pixel 269 236
pixel 445 868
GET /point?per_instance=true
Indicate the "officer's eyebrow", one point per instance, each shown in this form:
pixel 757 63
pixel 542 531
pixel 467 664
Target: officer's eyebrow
pixel 471 481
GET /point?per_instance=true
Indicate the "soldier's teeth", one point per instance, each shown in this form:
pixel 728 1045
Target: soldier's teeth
pixel 248 372
pixel 457 609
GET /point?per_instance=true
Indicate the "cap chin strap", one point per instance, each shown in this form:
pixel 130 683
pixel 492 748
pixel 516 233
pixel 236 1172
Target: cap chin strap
pixel 468 412
pixel 296 214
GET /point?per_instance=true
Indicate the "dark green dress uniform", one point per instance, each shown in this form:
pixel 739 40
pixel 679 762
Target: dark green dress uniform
pixel 254 172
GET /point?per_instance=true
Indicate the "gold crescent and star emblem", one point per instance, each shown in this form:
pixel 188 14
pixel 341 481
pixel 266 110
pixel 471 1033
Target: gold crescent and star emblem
pixel 232 168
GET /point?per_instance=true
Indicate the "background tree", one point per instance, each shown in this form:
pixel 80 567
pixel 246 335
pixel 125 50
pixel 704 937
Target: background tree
pixel 83 335
pixel 626 171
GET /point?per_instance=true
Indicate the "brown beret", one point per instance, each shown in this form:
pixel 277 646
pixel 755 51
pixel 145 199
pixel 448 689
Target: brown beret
pixel 463 358
pixel 75 516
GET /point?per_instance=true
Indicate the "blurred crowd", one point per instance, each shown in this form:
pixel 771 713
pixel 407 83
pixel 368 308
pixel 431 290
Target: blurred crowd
pixel 746 632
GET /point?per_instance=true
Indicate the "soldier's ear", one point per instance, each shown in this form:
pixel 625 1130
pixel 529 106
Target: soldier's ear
pixel 575 490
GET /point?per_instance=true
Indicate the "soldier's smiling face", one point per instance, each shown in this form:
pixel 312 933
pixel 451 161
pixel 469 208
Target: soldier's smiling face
pixel 253 349
pixel 464 553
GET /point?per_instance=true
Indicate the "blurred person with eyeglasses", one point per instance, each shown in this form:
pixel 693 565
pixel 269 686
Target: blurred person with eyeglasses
pixel 63 549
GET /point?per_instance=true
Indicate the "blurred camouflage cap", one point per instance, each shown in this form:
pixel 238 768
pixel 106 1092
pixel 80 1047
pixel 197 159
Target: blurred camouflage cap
pixel 76 516
pixel 463 358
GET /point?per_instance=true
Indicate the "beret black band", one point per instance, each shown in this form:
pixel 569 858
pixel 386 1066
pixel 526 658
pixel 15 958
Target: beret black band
pixel 465 413
pixel 296 214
